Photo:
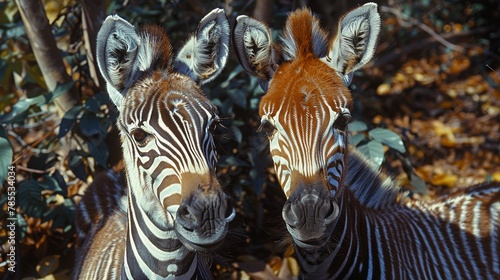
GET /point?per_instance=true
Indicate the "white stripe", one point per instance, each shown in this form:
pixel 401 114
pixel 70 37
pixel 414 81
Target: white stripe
pixel 369 248
pixel 476 229
pixel 463 222
pixel 380 251
pixel 494 228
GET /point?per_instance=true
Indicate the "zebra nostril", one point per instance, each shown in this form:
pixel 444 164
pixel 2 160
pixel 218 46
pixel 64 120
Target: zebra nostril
pixel 185 215
pixel 292 214
pixel 230 213
pixel 332 213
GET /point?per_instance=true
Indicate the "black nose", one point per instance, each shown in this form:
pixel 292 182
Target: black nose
pixel 309 213
pixel 309 209
pixel 204 214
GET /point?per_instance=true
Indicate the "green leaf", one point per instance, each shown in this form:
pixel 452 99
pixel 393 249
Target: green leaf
pixel 30 198
pixel 254 104
pixel 226 107
pixel 5 155
pixel 92 106
pixel 356 139
pixel 357 126
pixel 20 110
pixel 90 127
pixel 60 89
pixel 101 99
pixel 51 183
pixel 36 75
pixel 238 96
pixel 76 165
pixel 60 182
pixel 68 120
pixel 374 151
pixel 417 183
pixel 5 72
pixel 10 10
pixel 99 152
pixel 389 138
pixel 236 133
pixel 226 161
pixel 42 161
pixel 238 69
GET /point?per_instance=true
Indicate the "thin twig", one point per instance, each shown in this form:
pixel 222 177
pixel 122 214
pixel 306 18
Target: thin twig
pixel 37 171
pixel 401 52
pixel 493 70
pixel 414 22
pixel 34 144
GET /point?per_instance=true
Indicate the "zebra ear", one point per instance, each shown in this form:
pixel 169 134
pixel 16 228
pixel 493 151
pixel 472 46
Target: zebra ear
pixel 204 55
pixel 116 52
pixel 253 44
pixel 354 44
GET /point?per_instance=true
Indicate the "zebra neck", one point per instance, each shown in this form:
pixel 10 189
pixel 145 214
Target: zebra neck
pixel 341 258
pixel 372 188
pixel 153 250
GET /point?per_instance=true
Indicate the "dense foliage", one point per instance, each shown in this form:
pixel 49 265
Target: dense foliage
pixel 427 111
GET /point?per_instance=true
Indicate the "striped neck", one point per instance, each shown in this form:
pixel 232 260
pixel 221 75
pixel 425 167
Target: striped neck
pixel 153 251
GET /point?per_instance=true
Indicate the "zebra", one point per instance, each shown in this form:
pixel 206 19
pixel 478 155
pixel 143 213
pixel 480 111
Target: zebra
pixel 346 219
pixel 174 211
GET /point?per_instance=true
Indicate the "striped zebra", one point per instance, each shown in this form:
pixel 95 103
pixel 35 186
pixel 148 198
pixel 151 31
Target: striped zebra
pixel 174 212
pixel 346 219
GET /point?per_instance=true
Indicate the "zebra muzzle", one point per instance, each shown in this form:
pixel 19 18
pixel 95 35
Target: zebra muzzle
pixel 202 220
pixel 309 218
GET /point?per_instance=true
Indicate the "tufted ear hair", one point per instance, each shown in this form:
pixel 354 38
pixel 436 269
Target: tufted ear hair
pixel 253 44
pixel 117 51
pixel 354 44
pixel 204 55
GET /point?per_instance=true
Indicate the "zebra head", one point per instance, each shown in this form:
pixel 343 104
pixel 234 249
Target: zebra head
pixel 166 123
pixel 305 110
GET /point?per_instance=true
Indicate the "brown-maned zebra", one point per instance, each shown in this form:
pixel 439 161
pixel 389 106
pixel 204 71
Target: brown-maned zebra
pixel 174 210
pixel 345 218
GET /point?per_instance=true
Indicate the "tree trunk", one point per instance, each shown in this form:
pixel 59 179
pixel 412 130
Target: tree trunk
pixel 45 50
pixel 263 10
pixel 93 13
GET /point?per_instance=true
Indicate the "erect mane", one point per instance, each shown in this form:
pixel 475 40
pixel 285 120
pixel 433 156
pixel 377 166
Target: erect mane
pixel 372 188
pixel 156 51
pixel 303 35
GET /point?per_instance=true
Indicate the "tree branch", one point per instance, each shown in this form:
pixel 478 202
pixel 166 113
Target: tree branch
pixel 401 53
pixel 45 50
pixel 414 22
pixel 263 10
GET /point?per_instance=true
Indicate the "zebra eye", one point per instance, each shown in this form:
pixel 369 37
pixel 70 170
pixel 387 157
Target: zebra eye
pixel 342 121
pixel 140 136
pixel 267 128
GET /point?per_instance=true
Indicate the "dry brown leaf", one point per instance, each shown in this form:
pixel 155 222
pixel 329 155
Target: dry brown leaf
pixel 496 176
pixel 255 268
pixel 448 180
pixel 383 89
